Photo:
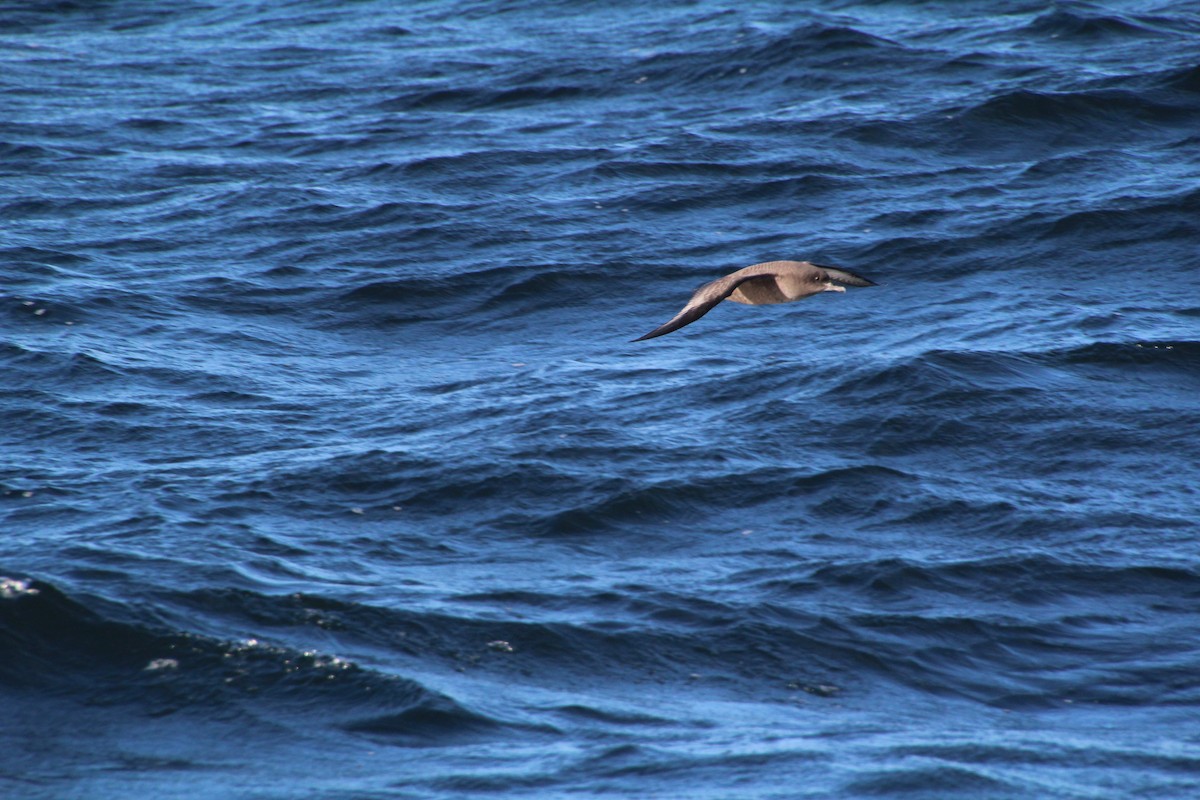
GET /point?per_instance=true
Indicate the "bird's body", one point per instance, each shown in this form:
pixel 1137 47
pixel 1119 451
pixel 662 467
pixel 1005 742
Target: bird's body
pixel 762 284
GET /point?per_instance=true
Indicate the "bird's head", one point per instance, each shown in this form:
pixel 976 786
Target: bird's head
pixel 829 279
pixel 825 282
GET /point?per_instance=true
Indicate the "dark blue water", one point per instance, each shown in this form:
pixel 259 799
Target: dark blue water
pixel 328 468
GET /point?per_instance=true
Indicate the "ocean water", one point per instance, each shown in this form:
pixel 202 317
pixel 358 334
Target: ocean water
pixel 328 468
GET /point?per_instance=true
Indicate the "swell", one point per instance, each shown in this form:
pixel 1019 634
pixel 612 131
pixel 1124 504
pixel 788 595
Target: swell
pixel 1012 122
pixel 1088 112
pixel 1025 631
pixel 956 375
pixel 766 61
pixel 533 496
pixel 1088 26
pixel 529 91
pixel 1002 413
pixel 1035 417
pixel 1127 220
pixel 98 654
pixel 493 293
pixel 1025 634
pixel 558 83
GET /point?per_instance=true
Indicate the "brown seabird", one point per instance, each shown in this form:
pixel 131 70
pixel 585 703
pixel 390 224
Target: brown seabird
pixel 762 284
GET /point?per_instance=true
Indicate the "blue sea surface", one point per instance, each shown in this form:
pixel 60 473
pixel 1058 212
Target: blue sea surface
pixel 328 468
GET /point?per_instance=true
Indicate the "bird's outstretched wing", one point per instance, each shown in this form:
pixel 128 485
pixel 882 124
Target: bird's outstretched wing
pixel 704 300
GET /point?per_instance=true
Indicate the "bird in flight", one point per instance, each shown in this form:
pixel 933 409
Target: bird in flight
pixel 762 284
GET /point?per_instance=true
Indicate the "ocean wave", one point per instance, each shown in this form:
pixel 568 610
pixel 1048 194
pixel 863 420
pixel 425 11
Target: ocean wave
pixel 1005 125
pixel 1024 580
pixel 485 98
pixel 755 59
pixel 93 654
pixel 496 293
pixel 1026 632
pixel 1082 25
pixel 1181 357
pixel 14 154
pixel 1085 113
pixel 1187 80
pixel 51 366
pixel 1128 219
pixel 953 376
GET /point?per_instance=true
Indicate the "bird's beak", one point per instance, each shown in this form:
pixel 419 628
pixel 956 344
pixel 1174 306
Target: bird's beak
pixel 830 286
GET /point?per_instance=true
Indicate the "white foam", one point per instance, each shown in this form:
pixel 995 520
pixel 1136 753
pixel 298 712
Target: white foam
pixel 12 588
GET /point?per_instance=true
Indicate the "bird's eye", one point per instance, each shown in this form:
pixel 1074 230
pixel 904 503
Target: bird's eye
pixel 816 278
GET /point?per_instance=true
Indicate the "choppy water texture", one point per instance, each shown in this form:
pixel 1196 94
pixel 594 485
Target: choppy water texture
pixel 329 469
